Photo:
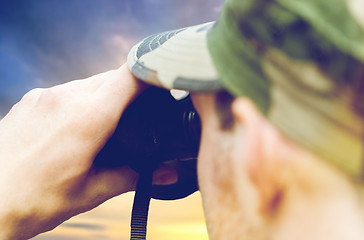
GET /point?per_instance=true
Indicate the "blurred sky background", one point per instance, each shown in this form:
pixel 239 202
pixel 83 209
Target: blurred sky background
pixel 48 42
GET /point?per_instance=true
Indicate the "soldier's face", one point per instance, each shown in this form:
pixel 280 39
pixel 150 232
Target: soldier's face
pixel 229 197
pixel 241 170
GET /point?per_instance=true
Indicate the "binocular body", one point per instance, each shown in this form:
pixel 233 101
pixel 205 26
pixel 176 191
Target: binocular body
pixel 156 128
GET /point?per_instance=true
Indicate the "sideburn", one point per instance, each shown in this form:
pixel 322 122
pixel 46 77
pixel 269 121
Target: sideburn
pixel 223 105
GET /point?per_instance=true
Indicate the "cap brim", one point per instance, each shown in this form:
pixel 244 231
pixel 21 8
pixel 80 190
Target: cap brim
pixel 176 59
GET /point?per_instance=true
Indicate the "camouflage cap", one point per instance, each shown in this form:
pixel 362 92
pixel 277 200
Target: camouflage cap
pixel 300 61
pixel 176 59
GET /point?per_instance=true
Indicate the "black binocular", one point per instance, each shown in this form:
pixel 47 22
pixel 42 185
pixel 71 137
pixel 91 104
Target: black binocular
pixel 156 128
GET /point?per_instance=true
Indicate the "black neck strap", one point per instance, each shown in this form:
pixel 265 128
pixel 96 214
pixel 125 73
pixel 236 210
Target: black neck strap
pixel 139 215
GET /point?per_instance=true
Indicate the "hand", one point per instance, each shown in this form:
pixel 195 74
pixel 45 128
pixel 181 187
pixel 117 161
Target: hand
pixel 47 145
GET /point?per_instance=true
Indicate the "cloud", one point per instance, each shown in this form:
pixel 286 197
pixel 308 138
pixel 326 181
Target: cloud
pixel 54 42
pixel 87 226
pixel 179 219
pixel 74 237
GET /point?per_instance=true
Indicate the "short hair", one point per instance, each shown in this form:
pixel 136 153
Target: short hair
pixel 356 83
pixel 223 107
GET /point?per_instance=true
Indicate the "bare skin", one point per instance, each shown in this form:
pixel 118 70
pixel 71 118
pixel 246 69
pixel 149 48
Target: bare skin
pixel 257 184
pixel 47 145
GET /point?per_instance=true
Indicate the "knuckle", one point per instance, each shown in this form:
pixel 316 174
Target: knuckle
pixel 50 97
pixel 32 95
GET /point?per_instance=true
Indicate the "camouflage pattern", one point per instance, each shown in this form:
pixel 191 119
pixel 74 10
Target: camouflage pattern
pixel 300 61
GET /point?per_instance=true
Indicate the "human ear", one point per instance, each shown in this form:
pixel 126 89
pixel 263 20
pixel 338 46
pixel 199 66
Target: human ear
pixel 259 156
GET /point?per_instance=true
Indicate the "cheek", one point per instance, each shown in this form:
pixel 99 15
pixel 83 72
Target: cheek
pixel 229 197
pixel 208 158
pixel 217 183
pixel 217 171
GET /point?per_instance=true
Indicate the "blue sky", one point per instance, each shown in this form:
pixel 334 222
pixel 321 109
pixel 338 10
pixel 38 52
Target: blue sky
pixel 47 42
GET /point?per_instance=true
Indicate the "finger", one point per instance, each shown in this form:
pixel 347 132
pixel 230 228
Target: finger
pixel 120 89
pixel 165 175
pixel 88 84
pixel 116 91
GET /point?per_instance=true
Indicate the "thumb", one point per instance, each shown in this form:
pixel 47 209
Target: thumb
pixel 103 184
